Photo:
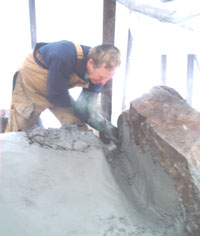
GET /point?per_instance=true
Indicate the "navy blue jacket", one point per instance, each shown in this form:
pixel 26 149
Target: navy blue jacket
pixel 60 59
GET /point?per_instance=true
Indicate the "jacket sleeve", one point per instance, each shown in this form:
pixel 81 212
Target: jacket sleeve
pixel 61 60
pixel 57 83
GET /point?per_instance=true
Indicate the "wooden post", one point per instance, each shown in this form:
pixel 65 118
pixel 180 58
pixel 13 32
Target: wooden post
pixel 32 22
pixel 190 72
pixel 109 10
pixel 163 69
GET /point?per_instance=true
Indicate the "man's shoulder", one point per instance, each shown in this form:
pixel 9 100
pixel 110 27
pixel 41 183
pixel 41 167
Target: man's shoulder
pixel 62 49
pixel 65 44
pixel 62 43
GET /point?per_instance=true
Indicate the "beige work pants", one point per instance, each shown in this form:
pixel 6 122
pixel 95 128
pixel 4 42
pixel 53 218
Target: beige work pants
pixel 29 99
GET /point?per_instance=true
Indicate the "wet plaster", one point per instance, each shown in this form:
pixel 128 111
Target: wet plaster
pixel 66 182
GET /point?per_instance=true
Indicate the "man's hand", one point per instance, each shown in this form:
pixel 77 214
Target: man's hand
pixel 108 134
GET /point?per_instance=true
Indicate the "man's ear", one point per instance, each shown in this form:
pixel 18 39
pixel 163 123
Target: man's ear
pixel 90 62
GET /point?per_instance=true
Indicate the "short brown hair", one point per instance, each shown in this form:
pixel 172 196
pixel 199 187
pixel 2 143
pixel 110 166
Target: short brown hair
pixel 105 54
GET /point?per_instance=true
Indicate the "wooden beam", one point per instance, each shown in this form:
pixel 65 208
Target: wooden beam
pixel 190 73
pixel 109 10
pixel 32 22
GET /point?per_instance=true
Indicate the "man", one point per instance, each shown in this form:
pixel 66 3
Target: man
pixel 49 72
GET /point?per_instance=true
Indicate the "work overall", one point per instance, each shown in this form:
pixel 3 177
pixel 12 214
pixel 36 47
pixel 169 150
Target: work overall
pixel 29 96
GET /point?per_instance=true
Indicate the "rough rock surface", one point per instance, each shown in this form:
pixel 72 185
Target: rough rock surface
pixel 67 138
pixel 161 153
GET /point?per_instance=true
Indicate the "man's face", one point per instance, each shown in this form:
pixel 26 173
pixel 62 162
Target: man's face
pixel 99 75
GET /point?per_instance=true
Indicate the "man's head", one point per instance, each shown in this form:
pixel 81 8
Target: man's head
pixel 103 61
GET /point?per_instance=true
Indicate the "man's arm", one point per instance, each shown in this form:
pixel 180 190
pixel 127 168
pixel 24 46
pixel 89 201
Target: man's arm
pixel 60 58
pixel 57 83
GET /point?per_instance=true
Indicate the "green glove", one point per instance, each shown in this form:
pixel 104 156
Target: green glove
pixel 84 106
pixel 87 109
